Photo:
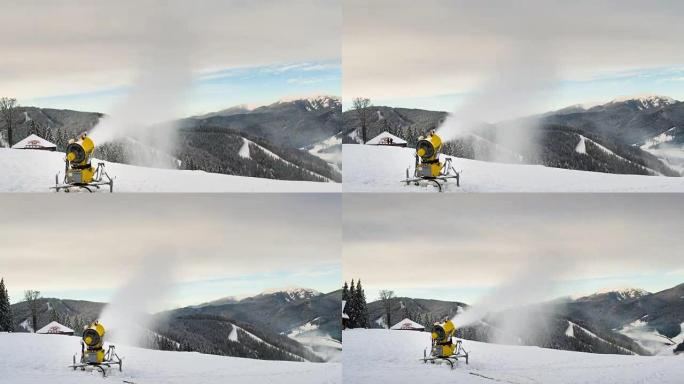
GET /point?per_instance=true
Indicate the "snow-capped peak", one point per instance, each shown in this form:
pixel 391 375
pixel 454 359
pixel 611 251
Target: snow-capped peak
pixel 313 102
pixel 625 293
pixel 646 101
pixel 293 293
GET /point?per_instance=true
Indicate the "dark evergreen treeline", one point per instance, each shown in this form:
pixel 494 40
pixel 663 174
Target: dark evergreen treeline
pixel 211 334
pixel 216 149
pixel 6 319
pixel 356 307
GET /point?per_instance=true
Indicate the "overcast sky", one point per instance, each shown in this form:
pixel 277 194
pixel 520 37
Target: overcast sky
pixel 86 55
pixel 459 247
pixel 224 245
pixel 434 54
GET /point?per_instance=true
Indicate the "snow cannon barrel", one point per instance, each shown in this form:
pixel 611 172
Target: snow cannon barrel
pixel 442 344
pixel 78 153
pixel 427 149
pixel 93 338
pixel 442 332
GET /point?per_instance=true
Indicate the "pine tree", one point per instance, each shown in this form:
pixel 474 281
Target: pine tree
pixel 351 306
pixel 361 307
pixel 6 323
pixel 345 292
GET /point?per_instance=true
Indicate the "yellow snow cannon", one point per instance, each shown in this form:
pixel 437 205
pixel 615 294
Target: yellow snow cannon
pixel 93 354
pixel 78 169
pixel 93 338
pixel 444 348
pixel 428 169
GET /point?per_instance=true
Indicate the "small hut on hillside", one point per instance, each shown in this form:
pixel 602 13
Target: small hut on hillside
pixel 345 317
pixel 386 138
pixel 35 142
pixel 407 325
pixel 55 328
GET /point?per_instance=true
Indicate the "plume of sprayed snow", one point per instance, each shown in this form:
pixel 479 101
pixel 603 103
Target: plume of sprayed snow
pixel 161 85
pixel 127 318
pixel 515 87
pixel 531 285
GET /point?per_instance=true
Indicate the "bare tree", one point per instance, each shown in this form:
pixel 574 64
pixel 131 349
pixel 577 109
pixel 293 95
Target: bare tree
pixel 7 109
pixel 361 106
pixel 31 297
pixel 387 297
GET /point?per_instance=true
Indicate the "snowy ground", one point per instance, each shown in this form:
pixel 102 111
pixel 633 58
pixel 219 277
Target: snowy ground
pixel 34 171
pixel 381 356
pixel 379 169
pixel 30 358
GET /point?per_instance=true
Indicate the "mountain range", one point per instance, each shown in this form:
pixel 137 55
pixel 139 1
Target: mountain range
pixel 294 139
pixel 626 321
pixel 296 324
pixel 630 135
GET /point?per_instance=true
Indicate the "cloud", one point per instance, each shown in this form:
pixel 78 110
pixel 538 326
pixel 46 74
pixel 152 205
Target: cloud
pixel 447 242
pixel 416 49
pixel 69 46
pixel 55 244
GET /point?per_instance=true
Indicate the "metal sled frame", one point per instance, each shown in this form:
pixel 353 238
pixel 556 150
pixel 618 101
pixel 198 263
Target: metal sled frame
pixel 95 184
pixel 451 360
pixel 447 172
pixel 108 362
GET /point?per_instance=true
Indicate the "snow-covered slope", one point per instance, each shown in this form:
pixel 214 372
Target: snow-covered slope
pixel 650 339
pixel 380 169
pixel 666 147
pixel 381 356
pixel 29 358
pixel 318 342
pixel 34 171
pixel 329 150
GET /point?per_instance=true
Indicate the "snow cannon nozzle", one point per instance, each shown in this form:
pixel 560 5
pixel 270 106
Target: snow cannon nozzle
pixel 428 168
pixel 443 348
pixel 93 353
pixel 79 172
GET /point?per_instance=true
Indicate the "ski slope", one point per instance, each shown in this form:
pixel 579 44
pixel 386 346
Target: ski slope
pixel 34 171
pixel 381 356
pixel 370 168
pixel 27 358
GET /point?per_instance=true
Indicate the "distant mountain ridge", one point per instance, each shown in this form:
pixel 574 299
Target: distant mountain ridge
pixel 631 135
pixel 294 324
pixel 624 321
pixel 270 141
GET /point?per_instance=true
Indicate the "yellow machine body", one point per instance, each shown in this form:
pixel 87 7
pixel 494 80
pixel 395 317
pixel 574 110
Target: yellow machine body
pixel 93 354
pixel 78 153
pixel 442 343
pixel 93 338
pixel 427 150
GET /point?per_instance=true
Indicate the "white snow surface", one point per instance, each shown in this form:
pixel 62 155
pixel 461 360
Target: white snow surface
pixel 233 336
pixel 380 356
pixel 37 359
pixel 381 168
pixel 244 149
pixel 34 171
pixel 581 146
